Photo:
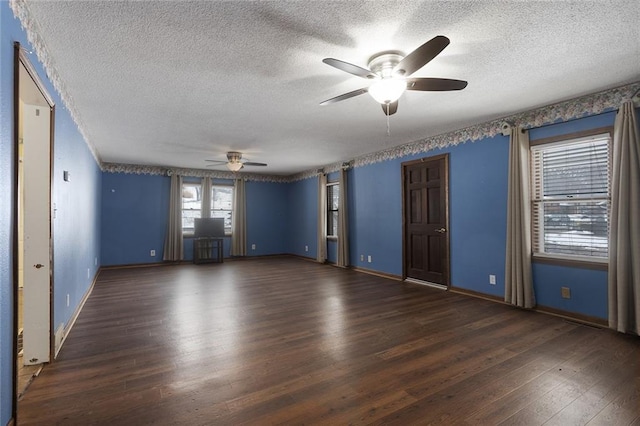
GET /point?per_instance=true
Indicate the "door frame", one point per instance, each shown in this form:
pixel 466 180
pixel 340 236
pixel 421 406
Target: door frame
pixel 403 172
pixel 20 58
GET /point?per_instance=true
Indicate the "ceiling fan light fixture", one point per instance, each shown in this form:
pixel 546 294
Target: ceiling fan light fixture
pixel 388 90
pixel 234 166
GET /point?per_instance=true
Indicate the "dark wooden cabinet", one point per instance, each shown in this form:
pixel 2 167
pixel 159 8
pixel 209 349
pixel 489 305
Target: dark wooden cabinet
pixel 207 250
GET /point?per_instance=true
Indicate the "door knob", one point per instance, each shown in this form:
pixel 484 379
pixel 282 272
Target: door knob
pixel 38 266
pixel 441 230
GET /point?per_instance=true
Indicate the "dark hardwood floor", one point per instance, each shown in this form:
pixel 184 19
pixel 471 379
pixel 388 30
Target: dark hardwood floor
pixel 288 341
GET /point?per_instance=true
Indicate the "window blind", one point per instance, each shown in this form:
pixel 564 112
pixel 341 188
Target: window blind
pixel 222 205
pixel 191 205
pixel 570 183
pixel 333 197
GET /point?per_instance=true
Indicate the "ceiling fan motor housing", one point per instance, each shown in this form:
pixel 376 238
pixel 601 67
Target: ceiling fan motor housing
pixel 234 156
pixel 391 84
pixel 383 63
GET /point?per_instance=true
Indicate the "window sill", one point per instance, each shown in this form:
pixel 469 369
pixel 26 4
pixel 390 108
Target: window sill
pixel 599 265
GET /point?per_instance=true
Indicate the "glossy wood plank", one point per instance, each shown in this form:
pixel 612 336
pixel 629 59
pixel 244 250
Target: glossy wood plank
pixel 288 341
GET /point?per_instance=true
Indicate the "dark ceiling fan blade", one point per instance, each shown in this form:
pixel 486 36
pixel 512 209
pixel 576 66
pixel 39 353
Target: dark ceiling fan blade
pixel 345 96
pixel 390 109
pixel 215 162
pixel 253 163
pixel 435 84
pixel 350 68
pixel 421 56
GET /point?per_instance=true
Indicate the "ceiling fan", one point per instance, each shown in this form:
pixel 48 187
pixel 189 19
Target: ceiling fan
pixel 390 71
pixel 234 162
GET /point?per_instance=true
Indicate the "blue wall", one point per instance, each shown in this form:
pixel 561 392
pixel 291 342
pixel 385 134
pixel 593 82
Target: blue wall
pixel 588 289
pixel 135 214
pixel 267 217
pixel 478 214
pixel 302 218
pixel 76 225
pixel 375 217
pixel 135 210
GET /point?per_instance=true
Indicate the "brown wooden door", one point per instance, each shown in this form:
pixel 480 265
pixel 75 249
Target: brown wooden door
pixel 426 233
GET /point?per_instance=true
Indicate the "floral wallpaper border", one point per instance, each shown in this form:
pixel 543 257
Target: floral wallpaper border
pixel 22 13
pixel 583 106
pixel 139 169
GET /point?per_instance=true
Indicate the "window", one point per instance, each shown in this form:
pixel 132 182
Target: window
pixel 570 182
pixel 333 195
pixel 222 204
pixel 192 208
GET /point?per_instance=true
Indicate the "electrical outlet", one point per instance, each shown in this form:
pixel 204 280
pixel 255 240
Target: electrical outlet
pixel 253 246
pixel 88 273
pixel 152 253
pixel 67 300
pixel 95 261
pixel 369 258
pixel 362 258
pixel 306 248
pixel 492 279
pixel 565 292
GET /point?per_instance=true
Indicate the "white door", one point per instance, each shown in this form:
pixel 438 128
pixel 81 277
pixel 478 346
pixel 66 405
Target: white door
pixel 37 233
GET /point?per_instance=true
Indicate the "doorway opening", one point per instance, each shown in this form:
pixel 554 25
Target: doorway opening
pixel 33 259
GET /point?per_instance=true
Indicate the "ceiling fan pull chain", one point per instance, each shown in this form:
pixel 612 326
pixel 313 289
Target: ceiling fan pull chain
pixel 388 127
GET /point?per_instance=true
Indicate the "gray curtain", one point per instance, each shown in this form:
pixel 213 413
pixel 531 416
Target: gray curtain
pixel 518 284
pixel 206 197
pixel 624 233
pixel 343 226
pixel 239 220
pixel 173 244
pixel 322 218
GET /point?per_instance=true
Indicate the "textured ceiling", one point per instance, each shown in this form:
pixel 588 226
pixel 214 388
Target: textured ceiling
pixel 173 83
